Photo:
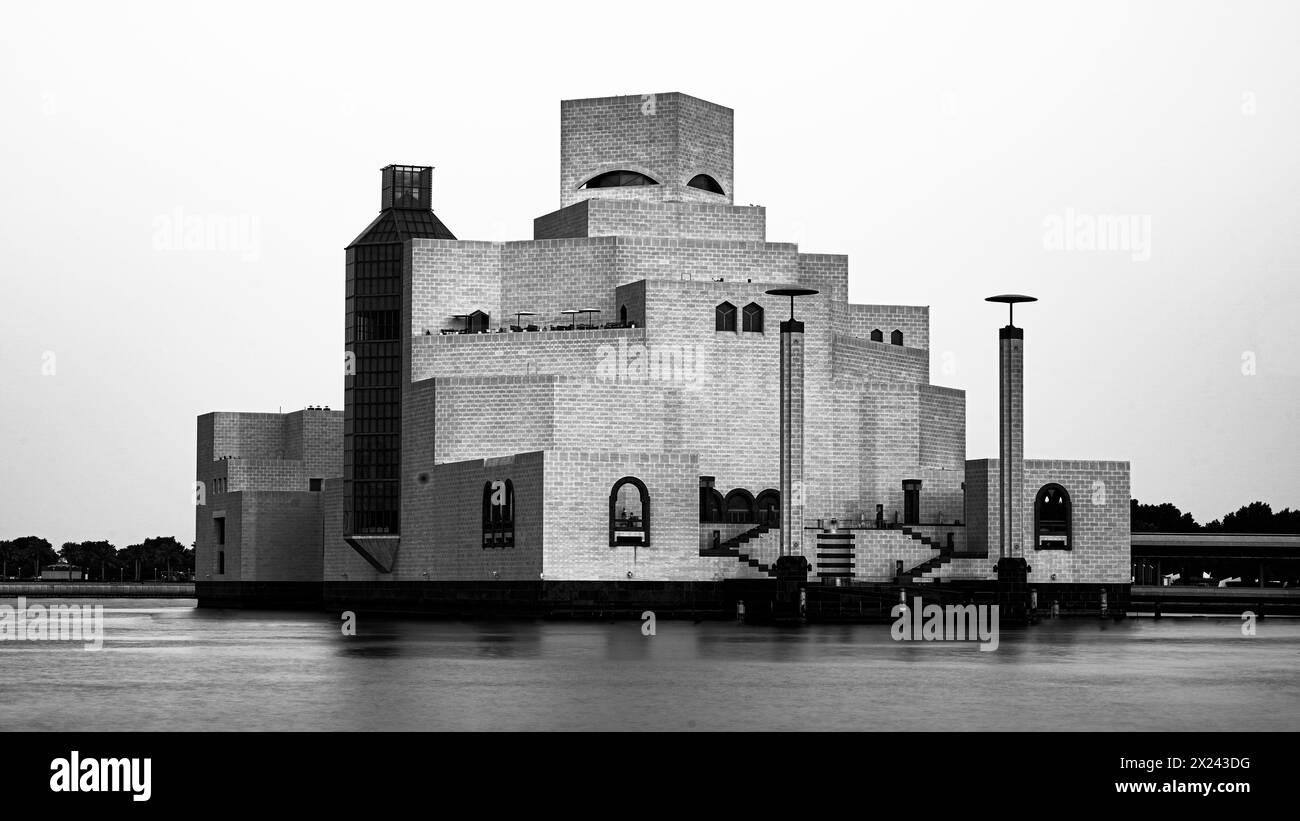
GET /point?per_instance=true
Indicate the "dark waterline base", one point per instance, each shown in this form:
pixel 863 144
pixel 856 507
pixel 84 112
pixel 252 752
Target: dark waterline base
pixel 764 601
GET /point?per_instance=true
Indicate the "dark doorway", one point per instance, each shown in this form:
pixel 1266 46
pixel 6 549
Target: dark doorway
pixel 911 501
pixel 769 508
pixel 711 505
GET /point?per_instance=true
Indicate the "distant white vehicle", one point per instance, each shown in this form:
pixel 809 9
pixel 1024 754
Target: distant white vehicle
pixel 1226 582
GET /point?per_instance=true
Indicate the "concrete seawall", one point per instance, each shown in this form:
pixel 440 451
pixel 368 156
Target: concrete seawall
pixel 97 590
pixel 1275 601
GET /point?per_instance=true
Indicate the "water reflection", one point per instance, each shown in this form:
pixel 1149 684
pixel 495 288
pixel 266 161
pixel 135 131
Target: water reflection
pixel 165 666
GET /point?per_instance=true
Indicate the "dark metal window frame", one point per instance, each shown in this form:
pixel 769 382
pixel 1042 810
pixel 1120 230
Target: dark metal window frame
pixel 772 519
pixel 1064 496
pixel 619 178
pixel 498 523
pixel 372 417
pixel 724 318
pixel 618 530
pixel 748 515
pixel 704 182
pixel 713 508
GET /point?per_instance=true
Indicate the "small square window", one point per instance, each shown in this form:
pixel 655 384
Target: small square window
pixel 314 484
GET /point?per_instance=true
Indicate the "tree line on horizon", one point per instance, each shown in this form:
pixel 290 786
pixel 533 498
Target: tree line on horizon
pixel 23 558
pixel 1256 517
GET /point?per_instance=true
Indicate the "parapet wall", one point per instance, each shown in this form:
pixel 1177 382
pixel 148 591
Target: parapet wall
pixel 638 218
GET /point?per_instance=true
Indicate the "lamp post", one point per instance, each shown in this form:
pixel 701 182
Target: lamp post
pixel 792 424
pixel 1011 442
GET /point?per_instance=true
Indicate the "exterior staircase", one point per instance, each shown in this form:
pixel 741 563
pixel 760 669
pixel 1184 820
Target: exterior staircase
pixel 741 548
pixel 919 574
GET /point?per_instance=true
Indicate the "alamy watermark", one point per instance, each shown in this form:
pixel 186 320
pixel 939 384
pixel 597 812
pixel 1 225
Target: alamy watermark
pixel 124 775
pixel 681 365
pixel 1075 231
pixel 233 233
pixel 955 622
pixel 56 622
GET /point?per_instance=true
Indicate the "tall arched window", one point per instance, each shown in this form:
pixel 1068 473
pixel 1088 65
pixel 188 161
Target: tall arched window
pixel 618 179
pixel 622 315
pixel 498 514
pixel 877 336
pixel 724 317
pixel 740 506
pixel 711 505
pixel 752 320
pixel 1052 518
pixel 768 504
pixel 629 513
pixel 705 183
pixel 896 338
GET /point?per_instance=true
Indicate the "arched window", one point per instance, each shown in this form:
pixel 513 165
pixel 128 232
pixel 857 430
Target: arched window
pixel 622 315
pixel 629 513
pixel 877 336
pixel 740 506
pixel 1052 518
pixel 724 317
pixel 753 318
pixel 618 179
pixel 705 183
pixel 711 505
pixel 769 508
pixel 498 514
pixel 896 338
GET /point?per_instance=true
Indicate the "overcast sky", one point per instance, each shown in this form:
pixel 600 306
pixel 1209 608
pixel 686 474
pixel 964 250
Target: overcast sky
pixel 952 150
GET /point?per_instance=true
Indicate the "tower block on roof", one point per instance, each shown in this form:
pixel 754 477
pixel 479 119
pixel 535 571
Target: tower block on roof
pixel 653 147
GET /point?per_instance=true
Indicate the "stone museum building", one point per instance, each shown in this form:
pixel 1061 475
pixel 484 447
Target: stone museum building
pixel 619 404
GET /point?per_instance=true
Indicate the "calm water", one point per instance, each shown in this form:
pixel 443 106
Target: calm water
pixel 166 665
